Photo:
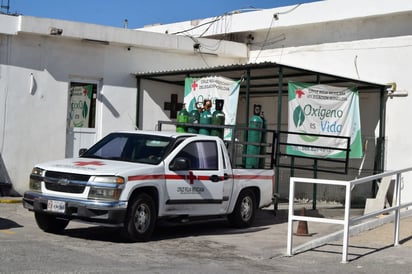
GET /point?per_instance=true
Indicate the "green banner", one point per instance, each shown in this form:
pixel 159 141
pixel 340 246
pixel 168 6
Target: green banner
pixel 325 110
pixel 80 98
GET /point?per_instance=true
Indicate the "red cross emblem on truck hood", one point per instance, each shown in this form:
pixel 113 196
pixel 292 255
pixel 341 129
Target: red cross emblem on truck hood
pixel 90 163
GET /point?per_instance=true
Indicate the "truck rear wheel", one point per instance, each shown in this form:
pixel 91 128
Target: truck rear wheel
pixel 140 219
pixel 50 223
pixel 243 214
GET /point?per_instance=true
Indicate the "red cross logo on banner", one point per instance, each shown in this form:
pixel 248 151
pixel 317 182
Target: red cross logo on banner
pixel 191 177
pixel 194 85
pixel 92 163
pixel 299 93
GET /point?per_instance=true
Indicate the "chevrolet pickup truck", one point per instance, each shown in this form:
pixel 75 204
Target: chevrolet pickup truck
pixel 132 179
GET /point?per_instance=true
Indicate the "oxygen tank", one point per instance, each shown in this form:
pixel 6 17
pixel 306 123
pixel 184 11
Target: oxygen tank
pixel 182 117
pixel 194 116
pixel 263 148
pixel 218 118
pixel 205 117
pixel 254 136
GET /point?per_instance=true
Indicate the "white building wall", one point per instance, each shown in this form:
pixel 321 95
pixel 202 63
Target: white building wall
pixel 369 40
pixel 33 125
pixel 381 60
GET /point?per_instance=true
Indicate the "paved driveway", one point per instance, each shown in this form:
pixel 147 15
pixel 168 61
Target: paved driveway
pixel 204 247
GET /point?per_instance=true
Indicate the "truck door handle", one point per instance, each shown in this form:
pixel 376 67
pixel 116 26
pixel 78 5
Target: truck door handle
pixel 214 178
pixel 226 176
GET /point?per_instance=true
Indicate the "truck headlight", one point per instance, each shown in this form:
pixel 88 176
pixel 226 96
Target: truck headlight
pixel 116 180
pixel 36 177
pixel 106 187
pixel 104 193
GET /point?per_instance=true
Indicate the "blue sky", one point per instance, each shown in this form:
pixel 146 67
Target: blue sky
pixel 137 12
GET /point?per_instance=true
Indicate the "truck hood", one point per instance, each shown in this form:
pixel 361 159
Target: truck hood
pixel 96 166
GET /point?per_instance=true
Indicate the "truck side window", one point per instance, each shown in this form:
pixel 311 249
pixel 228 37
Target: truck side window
pixel 202 155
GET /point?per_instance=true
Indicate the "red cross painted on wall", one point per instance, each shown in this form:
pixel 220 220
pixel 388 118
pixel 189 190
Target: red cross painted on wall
pixel 194 85
pixel 191 177
pixel 92 163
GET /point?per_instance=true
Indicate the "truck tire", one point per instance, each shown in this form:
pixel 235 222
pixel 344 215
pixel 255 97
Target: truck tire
pixel 50 223
pixel 140 219
pixel 244 212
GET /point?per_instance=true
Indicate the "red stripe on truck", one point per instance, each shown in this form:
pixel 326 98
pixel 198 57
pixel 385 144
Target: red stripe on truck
pixel 186 176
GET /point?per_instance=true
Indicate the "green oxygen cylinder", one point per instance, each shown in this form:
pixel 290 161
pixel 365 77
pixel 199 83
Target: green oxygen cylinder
pixel 205 117
pixel 264 139
pixel 194 115
pixel 182 117
pixel 218 118
pixel 254 137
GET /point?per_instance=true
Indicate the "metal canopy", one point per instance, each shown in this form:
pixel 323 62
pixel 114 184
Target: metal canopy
pixel 263 78
pixel 271 79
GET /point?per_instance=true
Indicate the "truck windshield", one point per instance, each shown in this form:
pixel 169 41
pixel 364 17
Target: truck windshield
pixel 138 148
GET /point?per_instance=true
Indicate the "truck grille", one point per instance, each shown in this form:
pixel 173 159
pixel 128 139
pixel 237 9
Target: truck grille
pixel 65 182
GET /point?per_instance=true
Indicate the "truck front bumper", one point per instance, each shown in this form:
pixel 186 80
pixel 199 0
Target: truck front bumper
pixel 110 213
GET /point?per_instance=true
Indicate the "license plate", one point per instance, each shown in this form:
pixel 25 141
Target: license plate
pixel 56 206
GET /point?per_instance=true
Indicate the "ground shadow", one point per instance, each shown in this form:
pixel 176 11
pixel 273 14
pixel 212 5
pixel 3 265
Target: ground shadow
pixel 407 239
pixel 173 230
pixel 361 251
pixel 8 224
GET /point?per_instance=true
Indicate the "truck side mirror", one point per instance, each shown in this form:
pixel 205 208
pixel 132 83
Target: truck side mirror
pixel 180 163
pixel 82 151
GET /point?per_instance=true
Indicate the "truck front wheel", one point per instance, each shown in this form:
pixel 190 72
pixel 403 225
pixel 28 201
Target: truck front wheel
pixel 50 223
pixel 141 218
pixel 243 214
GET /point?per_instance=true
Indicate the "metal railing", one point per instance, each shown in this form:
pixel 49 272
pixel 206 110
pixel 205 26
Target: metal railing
pixel 347 222
pixel 239 138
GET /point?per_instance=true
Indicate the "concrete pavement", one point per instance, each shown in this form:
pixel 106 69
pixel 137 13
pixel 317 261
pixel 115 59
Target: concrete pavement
pixel 370 249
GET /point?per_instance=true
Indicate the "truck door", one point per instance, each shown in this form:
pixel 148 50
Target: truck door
pixel 194 179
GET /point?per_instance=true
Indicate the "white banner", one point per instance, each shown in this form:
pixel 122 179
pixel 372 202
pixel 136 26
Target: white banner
pixel 325 110
pixel 214 87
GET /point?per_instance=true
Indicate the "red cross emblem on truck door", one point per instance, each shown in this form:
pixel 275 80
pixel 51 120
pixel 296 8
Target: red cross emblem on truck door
pixel 191 177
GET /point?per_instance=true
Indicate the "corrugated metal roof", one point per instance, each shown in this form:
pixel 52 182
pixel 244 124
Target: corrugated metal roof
pixel 264 77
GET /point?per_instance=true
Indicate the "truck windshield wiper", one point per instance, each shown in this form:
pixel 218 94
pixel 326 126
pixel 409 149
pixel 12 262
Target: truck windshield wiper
pixel 92 157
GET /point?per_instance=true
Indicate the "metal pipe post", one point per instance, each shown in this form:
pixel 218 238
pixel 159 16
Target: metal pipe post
pixel 346 225
pixel 397 210
pixel 290 217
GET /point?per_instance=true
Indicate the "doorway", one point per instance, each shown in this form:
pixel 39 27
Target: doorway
pixel 81 116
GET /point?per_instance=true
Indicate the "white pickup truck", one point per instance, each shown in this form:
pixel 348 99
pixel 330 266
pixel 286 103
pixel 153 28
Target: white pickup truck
pixel 132 179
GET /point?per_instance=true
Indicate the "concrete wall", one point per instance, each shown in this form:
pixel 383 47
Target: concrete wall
pixel 33 122
pixel 379 59
pixel 369 40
